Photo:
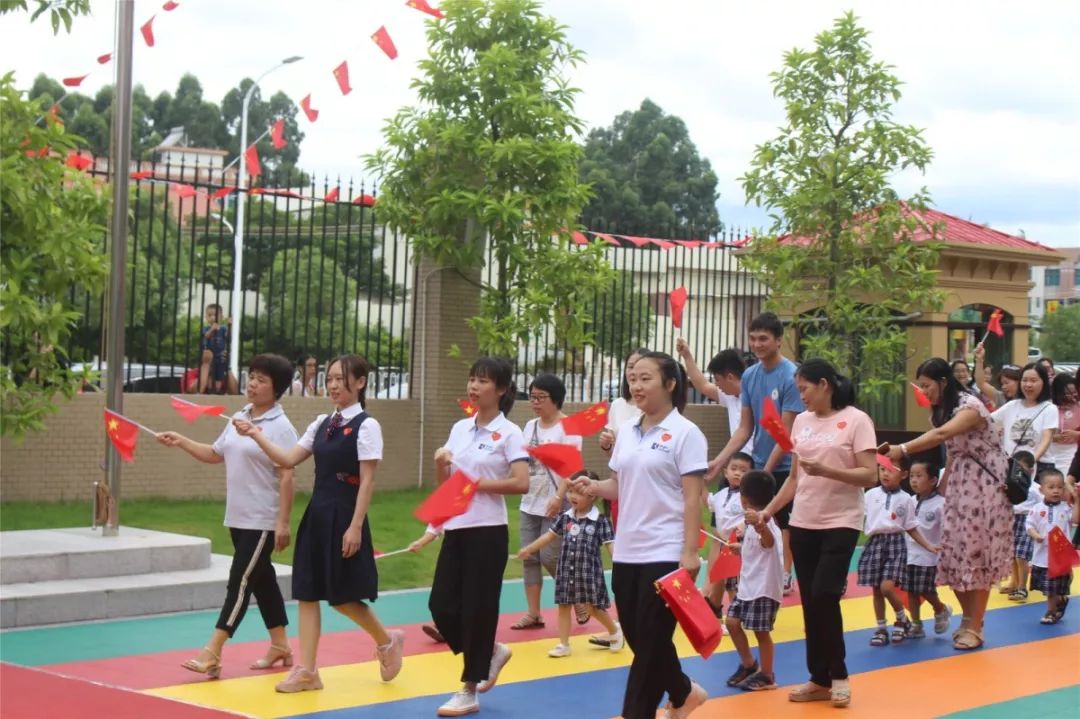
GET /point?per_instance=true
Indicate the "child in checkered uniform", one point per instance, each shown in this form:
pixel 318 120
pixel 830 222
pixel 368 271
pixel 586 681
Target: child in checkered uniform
pixel 727 516
pixel 1022 543
pixel 760 589
pixel 890 512
pixel 1049 513
pixel 579 577
pixel 920 577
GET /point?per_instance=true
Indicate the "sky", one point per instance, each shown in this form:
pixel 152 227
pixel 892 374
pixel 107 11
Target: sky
pixel 993 84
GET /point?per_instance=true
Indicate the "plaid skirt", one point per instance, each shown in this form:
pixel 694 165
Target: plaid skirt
pixel 919 579
pixel 1023 544
pixel 756 615
pixel 1061 586
pixel 884 557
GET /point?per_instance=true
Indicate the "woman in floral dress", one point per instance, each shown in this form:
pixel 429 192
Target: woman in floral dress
pixel 977 542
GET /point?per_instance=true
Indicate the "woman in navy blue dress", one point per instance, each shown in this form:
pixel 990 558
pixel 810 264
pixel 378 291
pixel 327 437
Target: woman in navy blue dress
pixel 334 558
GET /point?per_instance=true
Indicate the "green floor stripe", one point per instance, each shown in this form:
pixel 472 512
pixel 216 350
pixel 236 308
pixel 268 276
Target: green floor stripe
pixel 1058 704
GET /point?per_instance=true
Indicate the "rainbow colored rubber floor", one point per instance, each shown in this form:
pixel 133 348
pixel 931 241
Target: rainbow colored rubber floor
pixel 131 668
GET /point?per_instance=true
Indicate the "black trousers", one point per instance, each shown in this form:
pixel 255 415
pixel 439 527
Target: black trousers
pixel 822 558
pixel 464 600
pixel 648 626
pixel 252 573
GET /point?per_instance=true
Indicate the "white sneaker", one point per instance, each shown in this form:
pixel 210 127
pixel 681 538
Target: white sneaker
pixel 941 621
pixel 390 657
pixel 460 704
pixel 616 641
pixel 499 658
pixel 559 650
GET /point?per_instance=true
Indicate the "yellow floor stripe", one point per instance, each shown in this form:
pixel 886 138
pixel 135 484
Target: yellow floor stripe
pixel 350 685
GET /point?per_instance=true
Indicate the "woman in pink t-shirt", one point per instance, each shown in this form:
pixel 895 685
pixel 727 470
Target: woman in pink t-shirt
pixel 833 464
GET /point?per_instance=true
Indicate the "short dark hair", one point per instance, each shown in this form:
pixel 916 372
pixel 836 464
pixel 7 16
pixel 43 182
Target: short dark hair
pixel 588 474
pixel 727 361
pixel 500 371
pixel 743 457
pixel 1025 459
pixel 552 385
pixel 759 487
pixel 353 367
pixel 624 386
pixel 1038 369
pixel 1049 472
pixel 1060 386
pixel 767 322
pixel 277 368
pixel 670 370
pixel 214 306
pixel 931 467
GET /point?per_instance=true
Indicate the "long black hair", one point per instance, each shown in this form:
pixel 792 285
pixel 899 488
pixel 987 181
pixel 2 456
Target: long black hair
pixel 1040 369
pixel 670 370
pixel 500 371
pixel 939 370
pixel 353 368
pixel 815 370
pixel 624 387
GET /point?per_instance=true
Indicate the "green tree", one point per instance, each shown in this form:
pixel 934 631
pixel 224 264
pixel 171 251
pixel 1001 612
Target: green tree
pixel 854 262
pixel 1059 337
pixel 60 11
pixel 52 217
pixel 623 317
pixel 647 177
pixel 261 115
pixel 489 154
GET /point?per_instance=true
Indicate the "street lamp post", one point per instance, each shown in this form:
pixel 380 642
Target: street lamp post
pixel 238 237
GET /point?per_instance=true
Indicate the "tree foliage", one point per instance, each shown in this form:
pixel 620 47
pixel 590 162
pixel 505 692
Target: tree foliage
pixel 1060 334
pixel 52 218
pixel 490 154
pixel 647 177
pixel 60 11
pixel 623 317
pixel 841 245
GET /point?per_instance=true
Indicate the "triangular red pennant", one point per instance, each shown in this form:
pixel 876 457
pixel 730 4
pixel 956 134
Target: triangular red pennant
pixel 382 39
pixel 170 6
pixel 305 105
pixel 223 192
pixel 677 298
pixel 341 74
pixel 364 199
pixel 423 6
pixel 184 191
pixel 332 196
pixel 102 59
pixel 74 81
pixel 772 423
pixel 277 134
pixel 142 175
pixel 251 161
pixel 562 459
pixel 147 31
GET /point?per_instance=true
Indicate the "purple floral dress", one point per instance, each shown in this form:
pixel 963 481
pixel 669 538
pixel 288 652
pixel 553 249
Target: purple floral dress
pixel 976 547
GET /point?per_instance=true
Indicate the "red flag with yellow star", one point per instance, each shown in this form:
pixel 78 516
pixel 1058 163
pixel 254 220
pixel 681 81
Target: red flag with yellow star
pixel 994 325
pixel 449 499
pixel 424 6
pixel 693 614
pixel 467 407
pixel 123 433
pixel 772 423
pixel 587 422
pixel 1060 554
pixel 562 459
pixel 727 564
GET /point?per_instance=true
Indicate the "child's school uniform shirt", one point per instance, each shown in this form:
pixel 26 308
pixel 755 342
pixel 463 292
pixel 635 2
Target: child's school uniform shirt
pixel 727 504
pixel 484 452
pixel 369 439
pixel 650 466
pixel 889 512
pixel 1042 518
pixel 1034 496
pixel 762 573
pixel 251 481
pixel 929 520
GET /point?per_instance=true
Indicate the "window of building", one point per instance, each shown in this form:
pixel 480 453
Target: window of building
pixel 1052 278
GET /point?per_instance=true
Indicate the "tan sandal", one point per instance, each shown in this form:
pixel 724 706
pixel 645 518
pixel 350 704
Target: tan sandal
pixel 840 697
pixel 967 639
pixel 809 692
pixel 211 667
pixel 273 656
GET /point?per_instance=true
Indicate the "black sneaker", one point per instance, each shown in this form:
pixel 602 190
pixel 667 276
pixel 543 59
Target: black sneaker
pixel 742 674
pixel 758 681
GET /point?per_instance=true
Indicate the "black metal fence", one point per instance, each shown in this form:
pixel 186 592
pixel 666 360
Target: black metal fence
pixel 321 278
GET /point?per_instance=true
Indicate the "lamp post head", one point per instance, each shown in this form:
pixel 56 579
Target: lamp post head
pixel 291 60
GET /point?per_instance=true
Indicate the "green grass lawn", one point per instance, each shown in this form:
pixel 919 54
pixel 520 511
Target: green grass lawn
pixel 392 523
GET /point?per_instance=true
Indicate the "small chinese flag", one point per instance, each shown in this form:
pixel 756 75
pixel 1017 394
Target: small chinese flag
pixel 885 462
pixel 1060 553
pixel 562 459
pixel 251 159
pixel 123 433
pixel 994 325
pixel 677 298
pixel 341 74
pixel 466 406
pixel 74 81
pixel 102 59
pixel 191 411
pixel 772 423
pixel 364 199
pixel 693 614
pixel 79 162
pixel 382 39
pixel 277 134
pixel 305 105
pixel 449 499
pixel 727 564
pixel 423 6
pixel 332 195
pixel 920 397
pixel 142 175
pixel 147 31
pixel 223 192
pixel 587 422
pixel 170 6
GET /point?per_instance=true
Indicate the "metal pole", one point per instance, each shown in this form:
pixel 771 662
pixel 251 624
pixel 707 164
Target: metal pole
pixel 119 163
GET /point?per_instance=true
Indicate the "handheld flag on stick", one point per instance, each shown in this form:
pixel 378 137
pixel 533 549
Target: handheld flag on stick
pixel 587 422
pixel 772 423
pixel 562 459
pixel 920 397
pixel 467 407
pixel 383 555
pixel 693 614
pixel 191 411
pixel 1060 554
pixel 727 564
pixel 449 499
pixel 993 326
pixel 677 298
pixel 885 462
pixel 123 433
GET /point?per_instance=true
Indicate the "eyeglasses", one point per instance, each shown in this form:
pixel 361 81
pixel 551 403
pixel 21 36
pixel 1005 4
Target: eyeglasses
pixel 539 397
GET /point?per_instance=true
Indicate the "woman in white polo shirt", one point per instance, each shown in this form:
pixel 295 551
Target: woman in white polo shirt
pixel 258 502
pixel 658 467
pixel 465 592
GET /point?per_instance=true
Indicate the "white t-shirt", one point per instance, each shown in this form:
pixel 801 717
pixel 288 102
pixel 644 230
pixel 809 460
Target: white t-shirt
pixel 1062 453
pixel 730 515
pixel 369 440
pixel 1024 423
pixel 620 412
pixel 484 453
pixel 889 512
pixel 650 466
pixel 543 483
pixel 929 520
pixel 251 481
pixel 1042 518
pixel 733 404
pixel 762 573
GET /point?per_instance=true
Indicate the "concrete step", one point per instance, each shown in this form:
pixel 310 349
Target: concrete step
pixel 70 600
pixel 48 555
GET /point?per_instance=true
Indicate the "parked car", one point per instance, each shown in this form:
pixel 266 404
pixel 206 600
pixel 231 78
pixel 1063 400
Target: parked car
pixel 165 379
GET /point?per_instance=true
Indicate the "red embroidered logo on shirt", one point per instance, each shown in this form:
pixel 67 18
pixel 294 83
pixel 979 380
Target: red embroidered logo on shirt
pixel 1042 514
pixel 894 515
pixel 348 431
pixel 841 425
pixel 665 436
pixel 496 436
